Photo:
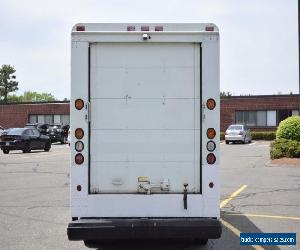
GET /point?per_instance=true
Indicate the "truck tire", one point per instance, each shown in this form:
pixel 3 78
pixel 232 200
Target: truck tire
pixel 227 142
pixel 201 242
pixel 47 146
pixel 5 151
pixel 92 244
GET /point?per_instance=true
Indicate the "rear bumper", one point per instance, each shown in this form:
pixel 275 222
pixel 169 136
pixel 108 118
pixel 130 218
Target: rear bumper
pixel 11 145
pixel 144 229
pixel 234 137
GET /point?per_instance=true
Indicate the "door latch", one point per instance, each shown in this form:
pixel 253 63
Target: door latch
pixel 185 195
pixel 88 114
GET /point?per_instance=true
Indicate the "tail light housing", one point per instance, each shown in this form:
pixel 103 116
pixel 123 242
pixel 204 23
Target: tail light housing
pixel 79 159
pixel 79 146
pixel 211 158
pixel 79 103
pixel 211 133
pixel 210 104
pixel 211 146
pixel 79 133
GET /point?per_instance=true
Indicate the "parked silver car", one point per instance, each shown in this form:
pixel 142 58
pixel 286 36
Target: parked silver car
pixel 237 133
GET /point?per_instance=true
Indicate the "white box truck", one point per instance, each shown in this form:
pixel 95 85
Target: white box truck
pixel 145 132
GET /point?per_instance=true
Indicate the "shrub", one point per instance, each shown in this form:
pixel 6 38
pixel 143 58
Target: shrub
pixel 289 129
pixel 285 148
pixel 263 135
pixel 222 135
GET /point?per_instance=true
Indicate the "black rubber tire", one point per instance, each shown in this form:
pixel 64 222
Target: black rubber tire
pixel 92 244
pixel 201 242
pixel 27 148
pixel 5 151
pixel 227 142
pixel 47 146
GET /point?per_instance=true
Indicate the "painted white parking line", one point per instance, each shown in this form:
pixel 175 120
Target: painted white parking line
pixel 251 144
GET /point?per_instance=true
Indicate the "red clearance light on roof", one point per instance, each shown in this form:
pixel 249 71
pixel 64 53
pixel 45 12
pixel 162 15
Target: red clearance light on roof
pixel 159 28
pixel 80 28
pixel 145 28
pixel 209 28
pixel 130 28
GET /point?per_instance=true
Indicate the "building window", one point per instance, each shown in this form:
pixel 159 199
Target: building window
pixel 49 119
pixel 295 112
pixel 33 119
pixel 263 118
pixel 256 118
pixel 65 119
pixel 271 118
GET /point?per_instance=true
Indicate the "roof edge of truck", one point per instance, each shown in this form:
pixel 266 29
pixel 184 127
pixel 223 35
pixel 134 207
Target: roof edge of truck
pixel 166 27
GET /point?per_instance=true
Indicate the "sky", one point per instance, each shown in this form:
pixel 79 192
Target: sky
pixel 258 38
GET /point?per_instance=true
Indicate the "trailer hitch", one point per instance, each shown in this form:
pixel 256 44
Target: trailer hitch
pixel 185 195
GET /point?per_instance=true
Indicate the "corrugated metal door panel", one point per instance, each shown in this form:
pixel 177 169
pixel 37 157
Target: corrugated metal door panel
pixel 145 114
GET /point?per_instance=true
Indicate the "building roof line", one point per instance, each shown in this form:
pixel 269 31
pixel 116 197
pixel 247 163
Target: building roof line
pixel 258 96
pixel 35 103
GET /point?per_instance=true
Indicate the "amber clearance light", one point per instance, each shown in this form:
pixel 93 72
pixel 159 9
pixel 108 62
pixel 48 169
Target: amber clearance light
pixel 211 133
pixel 79 104
pixel 211 103
pixel 79 133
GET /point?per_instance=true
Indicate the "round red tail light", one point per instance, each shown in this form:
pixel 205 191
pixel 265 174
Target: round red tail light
pixel 79 159
pixel 211 158
pixel 79 104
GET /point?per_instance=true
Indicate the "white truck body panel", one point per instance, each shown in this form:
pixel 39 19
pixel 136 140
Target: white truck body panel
pixel 145 115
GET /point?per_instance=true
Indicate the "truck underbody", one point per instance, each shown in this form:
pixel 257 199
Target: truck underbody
pixel 109 230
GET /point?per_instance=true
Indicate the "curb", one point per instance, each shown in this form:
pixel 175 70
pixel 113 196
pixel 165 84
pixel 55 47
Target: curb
pixel 269 164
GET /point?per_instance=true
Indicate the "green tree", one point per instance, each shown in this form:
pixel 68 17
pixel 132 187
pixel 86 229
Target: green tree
pixel 32 96
pixel 7 81
pixel 225 94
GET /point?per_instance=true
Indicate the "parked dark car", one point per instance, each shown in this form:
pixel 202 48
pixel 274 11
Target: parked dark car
pixel 25 139
pixel 42 127
pixel 57 133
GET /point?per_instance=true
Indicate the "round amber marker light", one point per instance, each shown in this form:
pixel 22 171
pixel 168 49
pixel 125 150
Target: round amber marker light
pixel 79 133
pixel 79 104
pixel 211 133
pixel 211 104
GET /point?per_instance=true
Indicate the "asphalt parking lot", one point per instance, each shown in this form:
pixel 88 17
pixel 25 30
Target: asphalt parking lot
pixel 34 201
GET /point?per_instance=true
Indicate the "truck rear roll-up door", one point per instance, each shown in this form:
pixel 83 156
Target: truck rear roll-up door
pixel 145 116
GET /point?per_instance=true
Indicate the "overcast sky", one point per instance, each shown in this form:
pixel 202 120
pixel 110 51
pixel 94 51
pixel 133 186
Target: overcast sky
pixel 259 44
